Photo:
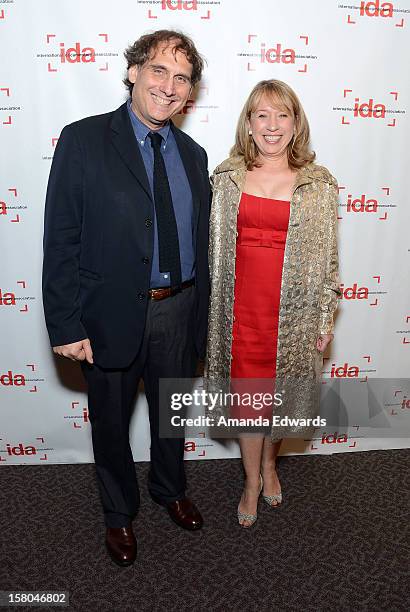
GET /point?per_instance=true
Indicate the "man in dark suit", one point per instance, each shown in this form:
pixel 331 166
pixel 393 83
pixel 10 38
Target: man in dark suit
pixel 125 276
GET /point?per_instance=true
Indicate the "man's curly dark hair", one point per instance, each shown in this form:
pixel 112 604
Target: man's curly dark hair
pixel 144 48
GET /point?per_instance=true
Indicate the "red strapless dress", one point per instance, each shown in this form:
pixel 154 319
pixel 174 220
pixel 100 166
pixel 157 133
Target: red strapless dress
pixel 262 230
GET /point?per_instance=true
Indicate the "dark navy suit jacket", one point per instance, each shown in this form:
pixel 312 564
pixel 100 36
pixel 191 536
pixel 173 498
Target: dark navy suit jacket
pixel 98 237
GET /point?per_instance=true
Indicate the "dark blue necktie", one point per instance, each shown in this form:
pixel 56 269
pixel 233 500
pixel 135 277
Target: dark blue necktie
pixel 169 258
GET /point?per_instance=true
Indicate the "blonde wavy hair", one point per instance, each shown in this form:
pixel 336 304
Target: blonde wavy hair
pixel 283 97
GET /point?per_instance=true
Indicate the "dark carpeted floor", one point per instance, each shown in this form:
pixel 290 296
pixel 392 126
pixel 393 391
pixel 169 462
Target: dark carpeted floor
pixel 339 542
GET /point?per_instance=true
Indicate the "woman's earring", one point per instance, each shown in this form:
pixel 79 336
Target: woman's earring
pixel 250 132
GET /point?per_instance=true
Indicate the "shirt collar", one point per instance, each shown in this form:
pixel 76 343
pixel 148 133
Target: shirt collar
pixel 141 130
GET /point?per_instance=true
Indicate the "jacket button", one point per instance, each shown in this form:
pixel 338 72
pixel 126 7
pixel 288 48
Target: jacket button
pixel 145 260
pixel 148 222
pixel 141 295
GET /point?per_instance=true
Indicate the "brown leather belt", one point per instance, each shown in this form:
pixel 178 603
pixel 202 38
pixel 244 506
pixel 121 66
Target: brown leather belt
pixel 164 292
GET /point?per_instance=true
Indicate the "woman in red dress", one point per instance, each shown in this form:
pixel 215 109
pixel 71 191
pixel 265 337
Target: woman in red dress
pixel 262 227
pixel 270 153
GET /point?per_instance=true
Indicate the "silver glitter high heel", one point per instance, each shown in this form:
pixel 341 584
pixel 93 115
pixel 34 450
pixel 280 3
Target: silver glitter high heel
pixel 269 499
pixel 250 518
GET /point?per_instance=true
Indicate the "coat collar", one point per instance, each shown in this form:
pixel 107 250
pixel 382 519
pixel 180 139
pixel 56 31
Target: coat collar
pixel 236 170
pixel 123 139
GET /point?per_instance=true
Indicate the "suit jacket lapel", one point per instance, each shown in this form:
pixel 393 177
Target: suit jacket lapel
pixel 124 141
pixel 191 169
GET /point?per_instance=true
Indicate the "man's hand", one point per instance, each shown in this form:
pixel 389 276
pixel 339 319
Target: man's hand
pixel 323 341
pixel 76 351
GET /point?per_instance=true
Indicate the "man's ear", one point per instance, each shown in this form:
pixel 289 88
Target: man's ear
pixel 132 73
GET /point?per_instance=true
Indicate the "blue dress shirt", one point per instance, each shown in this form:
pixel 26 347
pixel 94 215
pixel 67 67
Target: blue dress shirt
pixel 181 198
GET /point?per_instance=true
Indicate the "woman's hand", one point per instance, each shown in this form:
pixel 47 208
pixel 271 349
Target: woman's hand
pixel 322 341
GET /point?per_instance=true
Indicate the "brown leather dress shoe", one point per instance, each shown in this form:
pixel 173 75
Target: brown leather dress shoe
pixel 121 545
pixel 185 514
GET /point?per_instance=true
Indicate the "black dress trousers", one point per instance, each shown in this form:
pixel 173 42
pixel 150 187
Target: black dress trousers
pixel 167 351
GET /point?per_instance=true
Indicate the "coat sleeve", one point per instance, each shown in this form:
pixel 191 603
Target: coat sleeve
pixel 212 222
pixel 62 236
pixel 331 291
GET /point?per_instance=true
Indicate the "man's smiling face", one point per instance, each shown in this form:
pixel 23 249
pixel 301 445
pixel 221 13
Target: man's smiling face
pixel 161 86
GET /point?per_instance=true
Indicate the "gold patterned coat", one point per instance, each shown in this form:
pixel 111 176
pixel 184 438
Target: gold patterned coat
pixel 309 290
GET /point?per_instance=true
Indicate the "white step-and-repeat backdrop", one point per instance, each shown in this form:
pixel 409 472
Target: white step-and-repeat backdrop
pixel 62 61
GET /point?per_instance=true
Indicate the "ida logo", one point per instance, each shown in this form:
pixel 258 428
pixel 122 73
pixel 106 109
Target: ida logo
pixel 365 203
pixel 14 379
pixel 10 204
pixel 277 54
pixel 20 449
pixel 179 5
pixel 369 109
pixel 405 403
pixel 76 54
pixel 344 371
pixel 354 292
pixel 334 438
pixel 361 204
pixel 188 6
pixel 9 379
pixel 75 418
pixel 348 370
pixel 361 292
pixel 193 447
pixel 376 9
pixel 7 298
